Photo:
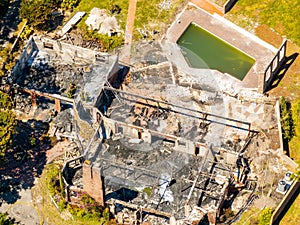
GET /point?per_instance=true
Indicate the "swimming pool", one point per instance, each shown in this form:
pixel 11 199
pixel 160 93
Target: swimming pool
pixel 202 49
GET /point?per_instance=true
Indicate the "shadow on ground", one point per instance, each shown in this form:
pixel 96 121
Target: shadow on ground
pixel 25 160
pixel 284 68
pixel 9 23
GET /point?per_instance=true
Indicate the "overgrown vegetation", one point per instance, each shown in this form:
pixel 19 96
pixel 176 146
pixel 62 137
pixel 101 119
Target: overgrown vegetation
pixel 7 59
pixel 28 30
pixel 89 209
pixel 53 180
pixel 295 142
pixel 255 216
pixel 69 4
pixel 292 216
pixel 85 211
pixel 38 13
pixel 148 191
pixel 7 124
pixel 117 8
pixel 286 120
pixel 8 55
pixel 106 42
pixel 71 91
pixel 109 5
pixel 265 215
pixel 3 6
pixel 152 17
pixel 5 219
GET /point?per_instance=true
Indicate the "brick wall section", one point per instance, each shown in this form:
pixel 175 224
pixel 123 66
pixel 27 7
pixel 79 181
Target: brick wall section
pixel 92 183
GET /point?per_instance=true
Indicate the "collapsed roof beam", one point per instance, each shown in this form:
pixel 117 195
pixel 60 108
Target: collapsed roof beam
pixel 159 103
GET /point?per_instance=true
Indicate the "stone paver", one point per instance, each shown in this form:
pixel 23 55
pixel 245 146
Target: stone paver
pixel 23 210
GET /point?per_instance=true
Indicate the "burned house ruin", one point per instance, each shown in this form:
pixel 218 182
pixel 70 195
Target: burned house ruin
pixel 155 144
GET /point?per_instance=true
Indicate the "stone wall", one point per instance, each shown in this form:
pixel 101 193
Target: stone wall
pixel 68 52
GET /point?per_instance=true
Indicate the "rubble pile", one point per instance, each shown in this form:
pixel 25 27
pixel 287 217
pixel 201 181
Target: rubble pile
pixel 23 102
pixel 99 20
pixel 54 79
pixel 41 79
pixel 234 145
pixel 71 152
pixel 68 74
pixel 160 164
pixel 63 122
pixel 143 115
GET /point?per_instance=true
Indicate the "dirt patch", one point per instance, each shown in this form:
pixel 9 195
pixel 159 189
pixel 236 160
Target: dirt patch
pixel 267 34
pixel 208 6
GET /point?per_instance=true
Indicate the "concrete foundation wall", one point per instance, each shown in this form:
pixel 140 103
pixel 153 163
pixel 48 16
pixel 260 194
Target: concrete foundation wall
pixel 146 136
pixel 288 199
pixel 27 53
pixel 92 183
pixel 113 72
pixel 185 146
pixel 131 131
pixel 67 51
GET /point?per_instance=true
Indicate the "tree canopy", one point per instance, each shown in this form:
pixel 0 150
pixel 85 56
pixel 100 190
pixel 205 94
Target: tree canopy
pixel 3 6
pixel 4 3
pixel 38 13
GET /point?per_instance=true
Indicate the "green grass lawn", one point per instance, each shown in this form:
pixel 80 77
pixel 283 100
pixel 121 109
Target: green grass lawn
pixel 280 15
pixel 150 15
pixel 87 5
pixel 155 15
pixel 292 217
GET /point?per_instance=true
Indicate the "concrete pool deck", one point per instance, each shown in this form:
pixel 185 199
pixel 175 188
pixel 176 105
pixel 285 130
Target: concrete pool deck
pixel 256 48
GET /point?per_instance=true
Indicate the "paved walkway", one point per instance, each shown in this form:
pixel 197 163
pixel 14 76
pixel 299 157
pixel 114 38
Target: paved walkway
pixel 130 21
pixel 125 55
pixel 23 211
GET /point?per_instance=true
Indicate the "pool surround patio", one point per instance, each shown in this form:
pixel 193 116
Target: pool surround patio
pixel 246 42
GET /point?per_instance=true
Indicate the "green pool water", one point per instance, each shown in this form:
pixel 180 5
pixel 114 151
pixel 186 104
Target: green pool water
pixel 202 49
